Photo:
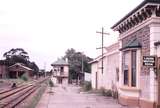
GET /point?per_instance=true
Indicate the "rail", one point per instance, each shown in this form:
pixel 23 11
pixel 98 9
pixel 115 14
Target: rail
pixel 13 97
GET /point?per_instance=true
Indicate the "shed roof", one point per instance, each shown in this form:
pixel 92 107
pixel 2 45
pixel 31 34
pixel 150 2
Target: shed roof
pixel 20 65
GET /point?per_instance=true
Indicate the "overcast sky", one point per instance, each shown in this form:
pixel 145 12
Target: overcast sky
pixel 47 28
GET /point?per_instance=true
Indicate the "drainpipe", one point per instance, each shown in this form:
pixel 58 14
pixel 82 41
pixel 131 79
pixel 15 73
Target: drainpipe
pixel 158 81
pixel 158 75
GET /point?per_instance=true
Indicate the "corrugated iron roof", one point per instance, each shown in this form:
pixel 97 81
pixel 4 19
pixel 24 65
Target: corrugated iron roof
pixel 60 62
pixel 21 65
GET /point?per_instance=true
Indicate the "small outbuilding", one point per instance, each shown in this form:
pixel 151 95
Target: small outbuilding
pixel 18 69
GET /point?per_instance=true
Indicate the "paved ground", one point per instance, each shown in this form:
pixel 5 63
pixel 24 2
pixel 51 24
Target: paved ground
pixel 69 97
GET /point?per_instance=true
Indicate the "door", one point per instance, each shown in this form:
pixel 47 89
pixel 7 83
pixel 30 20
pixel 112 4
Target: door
pixel 96 80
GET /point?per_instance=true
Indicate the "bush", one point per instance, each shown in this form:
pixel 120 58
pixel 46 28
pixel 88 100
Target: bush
pixel 51 84
pixel 24 77
pixel 115 94
pixel 87 86
pixel 106 92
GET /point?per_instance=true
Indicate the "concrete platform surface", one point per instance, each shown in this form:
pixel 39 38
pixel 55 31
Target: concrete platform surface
pixel 70 97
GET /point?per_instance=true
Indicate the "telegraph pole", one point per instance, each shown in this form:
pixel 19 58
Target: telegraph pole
pixel 45 69
pixel 82 69
pixel 102 45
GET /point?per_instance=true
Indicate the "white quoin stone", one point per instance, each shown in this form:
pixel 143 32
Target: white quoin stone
pixel 154 50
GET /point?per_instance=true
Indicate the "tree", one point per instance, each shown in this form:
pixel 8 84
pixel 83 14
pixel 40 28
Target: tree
pixel 16 52
pixel 75 63
pixel 34 67
pixel 19 55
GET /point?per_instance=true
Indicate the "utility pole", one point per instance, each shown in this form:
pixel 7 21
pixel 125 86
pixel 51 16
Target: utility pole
pixel 82 64
pixel 45 69
pixel 83 75
pixel 102 45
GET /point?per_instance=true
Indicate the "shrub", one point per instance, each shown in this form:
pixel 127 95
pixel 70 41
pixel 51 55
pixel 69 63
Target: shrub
pixel 24 77
pixel 87 86
pixel 51 84
pixel 115 94
pixel 106 92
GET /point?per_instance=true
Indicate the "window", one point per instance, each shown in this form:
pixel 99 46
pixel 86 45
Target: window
pixel 126 62
pixel 133 68
pixel 129 68
pixel 62 69
pixel 126 77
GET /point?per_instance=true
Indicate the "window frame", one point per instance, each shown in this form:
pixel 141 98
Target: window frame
pixel 130 67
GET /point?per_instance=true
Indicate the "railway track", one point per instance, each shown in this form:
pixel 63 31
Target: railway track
pixel 13 97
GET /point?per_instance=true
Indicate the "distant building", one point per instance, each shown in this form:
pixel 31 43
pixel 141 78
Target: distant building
pixel 87 76
pixel 60 71
pixel 139 38
pixel 13 71
pixel 109 78
pixel 18 69
pixel 3 69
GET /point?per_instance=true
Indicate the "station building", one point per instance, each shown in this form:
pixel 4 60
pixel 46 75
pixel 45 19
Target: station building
pixel 139 37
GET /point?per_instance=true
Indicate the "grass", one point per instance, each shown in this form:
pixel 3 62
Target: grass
pixel 37 96
pixel 105 92
pixel 11 81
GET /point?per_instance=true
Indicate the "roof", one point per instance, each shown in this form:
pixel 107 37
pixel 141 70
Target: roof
pixel 109 49
pixel 132 44
pixel 112 47
pixel 4 62
pixel 135 9
pixel 59 62
pixel 20 65
pixel 157 43
pixel 97 59
pixel 93 61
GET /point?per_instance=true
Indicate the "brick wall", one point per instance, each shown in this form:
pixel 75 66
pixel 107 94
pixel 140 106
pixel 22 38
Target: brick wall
pixel 143 36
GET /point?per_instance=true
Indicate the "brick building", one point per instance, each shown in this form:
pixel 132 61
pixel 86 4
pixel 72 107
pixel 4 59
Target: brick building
pixel 3 69
pixel 139 32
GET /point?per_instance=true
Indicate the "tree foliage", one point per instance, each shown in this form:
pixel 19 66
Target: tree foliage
pixel 19 55
pixel 19 52
pixel 75 60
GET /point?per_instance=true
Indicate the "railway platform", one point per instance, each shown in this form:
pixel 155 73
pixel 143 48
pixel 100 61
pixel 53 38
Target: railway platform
pixel 70 97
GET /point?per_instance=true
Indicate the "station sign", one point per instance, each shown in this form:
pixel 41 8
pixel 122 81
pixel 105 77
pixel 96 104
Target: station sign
pixel 149 61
